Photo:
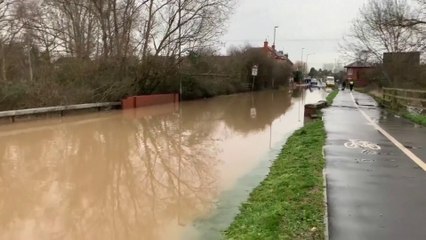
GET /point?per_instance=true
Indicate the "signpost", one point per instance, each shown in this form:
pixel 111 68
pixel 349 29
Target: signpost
pixel 254 72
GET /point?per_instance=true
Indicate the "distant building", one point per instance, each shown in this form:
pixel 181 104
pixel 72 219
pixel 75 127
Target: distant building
pixel 272 52
pixel 358 72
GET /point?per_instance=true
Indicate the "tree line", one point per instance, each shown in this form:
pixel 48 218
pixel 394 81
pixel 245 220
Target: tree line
pixel 74 51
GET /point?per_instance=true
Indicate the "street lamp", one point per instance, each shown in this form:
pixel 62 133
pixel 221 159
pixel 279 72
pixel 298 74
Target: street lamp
pixel 301 62
pixel 306 62
pixel 275 33
pixel 301 74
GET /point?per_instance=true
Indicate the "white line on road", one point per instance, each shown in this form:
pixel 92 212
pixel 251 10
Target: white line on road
pixel 407 152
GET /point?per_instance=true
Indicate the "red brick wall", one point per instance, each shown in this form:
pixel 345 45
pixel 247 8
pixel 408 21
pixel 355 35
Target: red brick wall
pixel 128 103
pixel 359 76
pixel 151 111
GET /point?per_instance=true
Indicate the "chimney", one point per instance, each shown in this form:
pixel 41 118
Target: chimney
pixel 265 44
pixel 273 47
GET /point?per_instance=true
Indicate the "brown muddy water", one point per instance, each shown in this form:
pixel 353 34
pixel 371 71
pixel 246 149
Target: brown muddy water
pixel 166 172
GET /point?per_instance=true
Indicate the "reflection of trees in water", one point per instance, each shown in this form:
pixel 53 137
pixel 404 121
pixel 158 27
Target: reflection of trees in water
pixel 269 105
pixel 235 110
pixel 113 179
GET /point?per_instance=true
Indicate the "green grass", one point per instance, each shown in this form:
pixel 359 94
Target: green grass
pixel 417 118
pixel 331 96
pixel 289 203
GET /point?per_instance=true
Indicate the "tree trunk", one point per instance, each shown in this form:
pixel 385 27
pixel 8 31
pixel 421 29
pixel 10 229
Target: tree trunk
pixel 147 30
pixel 3 64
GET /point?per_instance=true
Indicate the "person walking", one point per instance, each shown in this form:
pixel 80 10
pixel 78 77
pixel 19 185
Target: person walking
pixel 343 85
pixel 351 85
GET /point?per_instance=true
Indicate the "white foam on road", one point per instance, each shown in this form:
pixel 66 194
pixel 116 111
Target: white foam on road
pixel 406 151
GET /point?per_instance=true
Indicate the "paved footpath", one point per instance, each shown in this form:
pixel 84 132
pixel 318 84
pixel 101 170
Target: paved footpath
pixel 374 193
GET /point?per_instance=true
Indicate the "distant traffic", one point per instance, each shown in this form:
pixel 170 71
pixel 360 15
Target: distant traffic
pixel 329 81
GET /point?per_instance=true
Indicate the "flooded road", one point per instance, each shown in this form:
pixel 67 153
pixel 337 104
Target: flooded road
pixel 164 172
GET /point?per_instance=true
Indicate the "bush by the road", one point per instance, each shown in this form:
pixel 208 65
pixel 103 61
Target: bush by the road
pixel 203 74
pixel 417 118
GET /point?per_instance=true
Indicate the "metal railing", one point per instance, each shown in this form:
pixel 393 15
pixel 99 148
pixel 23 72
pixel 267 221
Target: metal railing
pixel 56 109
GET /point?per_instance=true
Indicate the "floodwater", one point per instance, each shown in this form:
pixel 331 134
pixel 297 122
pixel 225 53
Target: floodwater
pixel 165 172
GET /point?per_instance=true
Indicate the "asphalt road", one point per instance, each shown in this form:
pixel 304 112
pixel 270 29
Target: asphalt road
pixel 373 193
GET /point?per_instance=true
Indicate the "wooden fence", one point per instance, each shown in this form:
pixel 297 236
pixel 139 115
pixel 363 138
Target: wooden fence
pixel 57 109
pixel 408 98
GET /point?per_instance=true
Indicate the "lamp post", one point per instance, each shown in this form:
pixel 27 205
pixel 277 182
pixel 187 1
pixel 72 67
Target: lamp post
pixel 301 61
pixel 306 62
pixel 301 73
pixel 275 34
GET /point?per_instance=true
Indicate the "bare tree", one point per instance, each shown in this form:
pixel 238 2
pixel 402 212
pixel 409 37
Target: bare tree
pixel 417 18
pixel 110 47
pixel 380 28
pixel 117 20
pixel 200 24
pixel 9 30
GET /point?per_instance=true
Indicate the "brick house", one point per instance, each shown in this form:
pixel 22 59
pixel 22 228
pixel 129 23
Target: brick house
pixel 358 72
pixel 272 52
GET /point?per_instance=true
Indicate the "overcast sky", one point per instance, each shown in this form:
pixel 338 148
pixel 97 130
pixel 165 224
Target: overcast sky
pixel 316 25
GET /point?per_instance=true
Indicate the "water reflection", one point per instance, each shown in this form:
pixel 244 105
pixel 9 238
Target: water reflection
pixel 143 174
pixel 268 106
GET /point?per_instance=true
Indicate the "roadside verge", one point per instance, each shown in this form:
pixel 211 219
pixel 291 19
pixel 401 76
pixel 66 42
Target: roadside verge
pixel 331 96
pixel 289 203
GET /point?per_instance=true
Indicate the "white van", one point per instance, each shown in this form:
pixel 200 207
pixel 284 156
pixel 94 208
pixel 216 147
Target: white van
pixel 330 82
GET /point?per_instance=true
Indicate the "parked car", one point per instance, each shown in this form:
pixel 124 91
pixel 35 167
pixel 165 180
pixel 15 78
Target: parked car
pixel 315 83
pixel 308 80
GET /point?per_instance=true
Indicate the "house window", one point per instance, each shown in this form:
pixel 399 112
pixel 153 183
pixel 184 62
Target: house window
pixel 350 71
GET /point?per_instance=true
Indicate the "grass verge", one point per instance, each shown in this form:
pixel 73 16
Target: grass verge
pixel 417 118
pixel 331 96
pixel 289 203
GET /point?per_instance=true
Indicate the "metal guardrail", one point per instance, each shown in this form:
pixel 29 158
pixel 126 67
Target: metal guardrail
pixel 56 109
pixel 405 97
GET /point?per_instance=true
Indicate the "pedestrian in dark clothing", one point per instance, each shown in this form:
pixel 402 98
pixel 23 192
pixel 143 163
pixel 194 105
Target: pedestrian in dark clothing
pixel 343 85
pixel 351 85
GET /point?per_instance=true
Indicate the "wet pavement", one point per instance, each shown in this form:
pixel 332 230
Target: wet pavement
pixel 164 172
pixel 375 191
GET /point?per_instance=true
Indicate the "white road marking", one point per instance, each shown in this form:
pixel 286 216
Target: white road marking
pixel 356 143
pixel 401 147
